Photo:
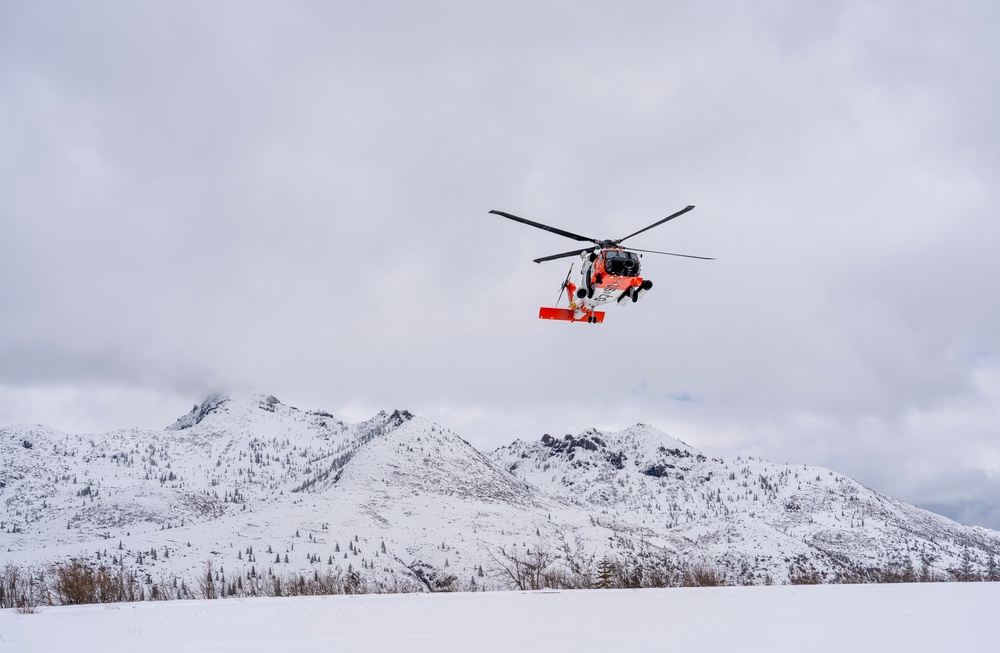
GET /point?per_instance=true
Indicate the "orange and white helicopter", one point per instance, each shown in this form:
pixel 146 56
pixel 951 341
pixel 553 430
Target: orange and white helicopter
pixel 610 272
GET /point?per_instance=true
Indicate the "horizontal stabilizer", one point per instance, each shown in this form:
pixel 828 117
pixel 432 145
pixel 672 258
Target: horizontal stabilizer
pixel 566 315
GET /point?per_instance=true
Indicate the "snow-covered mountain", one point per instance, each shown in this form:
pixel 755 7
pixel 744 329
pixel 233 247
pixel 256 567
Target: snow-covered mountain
pixel 749 516
pixel 259 487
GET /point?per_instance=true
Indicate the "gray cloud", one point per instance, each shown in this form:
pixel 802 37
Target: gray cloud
pixel 294 197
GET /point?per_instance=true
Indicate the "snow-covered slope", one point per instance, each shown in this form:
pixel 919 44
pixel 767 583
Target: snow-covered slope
pixel 258 488
pixel 753 517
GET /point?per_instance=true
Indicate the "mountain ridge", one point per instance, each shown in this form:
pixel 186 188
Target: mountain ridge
pixel 241 474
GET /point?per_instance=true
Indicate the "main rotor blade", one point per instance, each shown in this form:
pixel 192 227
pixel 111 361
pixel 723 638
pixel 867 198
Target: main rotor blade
pixel 657 224
pixel 564 254
pixel 650 251
pixel 561 232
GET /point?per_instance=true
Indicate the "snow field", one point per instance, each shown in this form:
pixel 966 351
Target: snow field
pixel 904 617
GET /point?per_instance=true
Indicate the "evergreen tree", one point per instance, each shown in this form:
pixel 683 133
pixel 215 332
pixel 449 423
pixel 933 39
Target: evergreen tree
pixel 992 571
pixel 966 570
pixel 605 573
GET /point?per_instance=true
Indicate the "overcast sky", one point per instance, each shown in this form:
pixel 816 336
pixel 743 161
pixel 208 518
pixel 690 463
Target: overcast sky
pixel 293 197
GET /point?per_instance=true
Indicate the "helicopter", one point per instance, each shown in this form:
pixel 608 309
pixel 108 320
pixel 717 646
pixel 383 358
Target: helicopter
pixel 610 272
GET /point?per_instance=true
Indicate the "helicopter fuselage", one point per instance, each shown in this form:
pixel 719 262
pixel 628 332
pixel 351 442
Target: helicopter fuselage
pixel 607 275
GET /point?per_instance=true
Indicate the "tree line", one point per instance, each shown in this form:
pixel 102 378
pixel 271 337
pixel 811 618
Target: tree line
pixel 81 581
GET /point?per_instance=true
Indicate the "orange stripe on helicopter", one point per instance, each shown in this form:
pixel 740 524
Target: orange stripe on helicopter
pixel 567 315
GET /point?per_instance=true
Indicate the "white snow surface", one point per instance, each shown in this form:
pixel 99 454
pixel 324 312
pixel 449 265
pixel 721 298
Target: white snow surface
pixel 932 617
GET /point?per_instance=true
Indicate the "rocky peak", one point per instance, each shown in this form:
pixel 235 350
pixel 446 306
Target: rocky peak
pixel 233 404
pixel 212 403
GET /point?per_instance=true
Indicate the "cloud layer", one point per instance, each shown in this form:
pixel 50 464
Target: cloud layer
pixel 295 197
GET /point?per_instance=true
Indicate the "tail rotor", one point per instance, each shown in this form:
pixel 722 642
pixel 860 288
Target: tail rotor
pixel 565 283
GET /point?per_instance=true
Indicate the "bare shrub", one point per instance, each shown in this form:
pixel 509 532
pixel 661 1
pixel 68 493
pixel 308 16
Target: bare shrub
pixel 893 571
pixel 702 575
pixel 567 579
pixel 630 576
pixel 662 573
pixel 76 583
pixel 206 582
pixel 354 584
pixel 528 571
pixel 804 576
pixel 10 587
pixel 896 572
pixel 79 582
pixel 21 591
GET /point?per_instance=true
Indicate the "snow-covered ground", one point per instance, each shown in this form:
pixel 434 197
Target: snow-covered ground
pixel 905 617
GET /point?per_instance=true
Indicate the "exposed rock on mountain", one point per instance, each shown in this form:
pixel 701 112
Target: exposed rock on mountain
pixel 753 517
pixel 260 487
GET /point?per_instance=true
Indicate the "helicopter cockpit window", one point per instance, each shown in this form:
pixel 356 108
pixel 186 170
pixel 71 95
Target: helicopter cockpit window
pixel 621 264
